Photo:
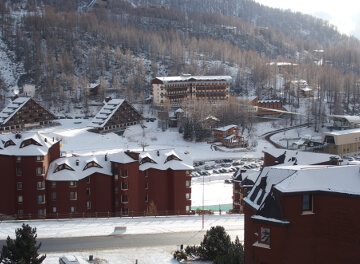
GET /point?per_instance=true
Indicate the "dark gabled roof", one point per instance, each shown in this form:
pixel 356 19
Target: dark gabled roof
pixel 247 182
pixel 271 208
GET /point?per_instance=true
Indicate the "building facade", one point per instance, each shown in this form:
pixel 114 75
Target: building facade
pixel 342 143
pixel 115 115
pixel 38 183
pixel 303 214
pixel 24 113
pixel 176 89
pixel 229 137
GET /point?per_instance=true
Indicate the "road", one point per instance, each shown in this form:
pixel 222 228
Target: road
pixel 122 241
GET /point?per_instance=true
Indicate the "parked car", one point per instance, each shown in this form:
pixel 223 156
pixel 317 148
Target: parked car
pixel 228 181
pixel 227 160
pixel 215 171
pixel 68 260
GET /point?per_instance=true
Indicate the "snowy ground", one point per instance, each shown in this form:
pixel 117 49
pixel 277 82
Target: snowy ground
pixel 208 190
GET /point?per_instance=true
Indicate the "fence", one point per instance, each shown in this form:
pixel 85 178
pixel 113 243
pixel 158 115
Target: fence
pixel 130 214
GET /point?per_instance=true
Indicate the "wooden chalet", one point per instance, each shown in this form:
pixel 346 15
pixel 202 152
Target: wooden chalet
pixel 24 113
pixel 229 137
pixel 116 115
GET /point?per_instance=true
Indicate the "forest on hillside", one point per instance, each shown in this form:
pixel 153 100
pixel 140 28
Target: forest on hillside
pixel 63 47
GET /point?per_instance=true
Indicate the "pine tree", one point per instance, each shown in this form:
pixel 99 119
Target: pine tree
pixel 23 249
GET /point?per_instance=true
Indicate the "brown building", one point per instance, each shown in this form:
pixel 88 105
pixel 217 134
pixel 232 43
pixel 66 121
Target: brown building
pixel 342 143
pixel 38 183
pixel 229 137
pixel 115 115
pixel 266 107
pixel 174 90
pixel 24 113
pixel 303 214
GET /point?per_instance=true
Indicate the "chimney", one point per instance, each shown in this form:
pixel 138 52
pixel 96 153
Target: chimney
pixel 158 152
pixel 106 157
pixel 77 162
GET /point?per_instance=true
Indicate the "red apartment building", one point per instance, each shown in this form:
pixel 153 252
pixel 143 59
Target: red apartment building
pixel 303 214
pixel 38 183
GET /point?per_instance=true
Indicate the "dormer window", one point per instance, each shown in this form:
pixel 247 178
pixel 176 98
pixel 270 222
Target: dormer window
pixel 9 143
pixel 147 160
pixel 63 167
pixel 28 142
pixel 172 157
pixel 91 164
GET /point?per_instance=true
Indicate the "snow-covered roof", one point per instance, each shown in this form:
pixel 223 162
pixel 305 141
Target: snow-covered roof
pixel 304 178
pixel 225 128
pixel 336 179
pixel 10 110
pixel 188 77
pixel 297 157
pixel 343 132
pixel 106 112
pixel 25 144
pixel 350 119
pixel 269 101
pixel 166 159
pixel 78 168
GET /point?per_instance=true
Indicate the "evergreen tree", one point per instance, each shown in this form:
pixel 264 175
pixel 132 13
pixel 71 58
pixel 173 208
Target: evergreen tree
pixel 22 250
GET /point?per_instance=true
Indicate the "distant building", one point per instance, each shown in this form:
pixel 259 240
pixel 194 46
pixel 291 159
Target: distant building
pixel 267 107
pixel 342 143
pixel 175 89
pixel 303 214
pixel 344 122
pixel 229 137
pixel 115 115
pixel 24 113
pixel 37 183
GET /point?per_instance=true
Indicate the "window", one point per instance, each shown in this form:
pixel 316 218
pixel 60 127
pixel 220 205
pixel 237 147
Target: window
pixel 40 170
pixel 124 186
pixel 41 185
pixel 146 185
pixel 18 171
pixel 54 209
pixel 146 198
pixel 39 158
pixel 72 184
pixel 265 235
pixel 116 177
pixel 63 167
pixel 307 202
pixel 19 186
pixel 125 174
pixel 187 183
pixel 41 212
pixel 73 209
pixel 20 199
pixel 124 199
pixel 187 208
pixel 87 191
pixel 18 159
pixel 116 189
pixel 53 184
pixel 188 196
pixel 116 202
pixel 88 204
pixel 88 179
pixel 73 195
pixel 125 211
pixel 20 213
pixel 91 164
pixel 41 199
pixel 146 173
pixel 53 196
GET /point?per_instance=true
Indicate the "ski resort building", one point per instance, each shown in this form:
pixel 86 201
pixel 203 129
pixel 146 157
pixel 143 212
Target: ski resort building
pixel 115 115
pixel 24 113
pixel 303 214
pixel 174 90
pixel 38 183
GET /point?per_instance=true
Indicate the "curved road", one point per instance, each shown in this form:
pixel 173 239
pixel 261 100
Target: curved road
pixel 123 241
pixel 267 136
